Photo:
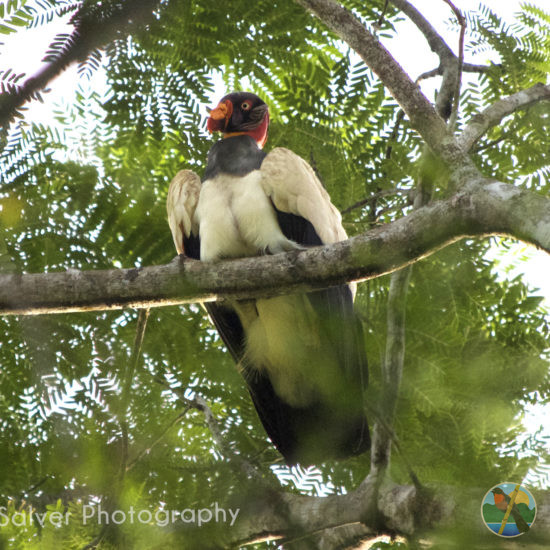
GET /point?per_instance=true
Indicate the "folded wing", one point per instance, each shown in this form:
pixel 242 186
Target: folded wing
pixel 181 202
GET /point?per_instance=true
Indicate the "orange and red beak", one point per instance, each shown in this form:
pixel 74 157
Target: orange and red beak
pixel 219 117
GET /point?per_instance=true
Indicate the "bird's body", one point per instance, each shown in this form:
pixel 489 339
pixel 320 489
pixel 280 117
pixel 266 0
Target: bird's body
pixel 302 355
pixel 235 216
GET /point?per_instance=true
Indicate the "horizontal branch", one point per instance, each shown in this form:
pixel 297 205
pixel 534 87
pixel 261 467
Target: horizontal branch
pixel 466 68
pixel 403 510
pixel 494 208
pixel 490 117
pixel 267 518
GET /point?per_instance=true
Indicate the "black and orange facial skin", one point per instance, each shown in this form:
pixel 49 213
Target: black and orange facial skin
pixel 240 113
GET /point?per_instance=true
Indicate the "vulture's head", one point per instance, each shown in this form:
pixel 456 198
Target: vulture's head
pixel 240 113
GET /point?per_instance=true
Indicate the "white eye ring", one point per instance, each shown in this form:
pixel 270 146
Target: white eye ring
pixel 246 105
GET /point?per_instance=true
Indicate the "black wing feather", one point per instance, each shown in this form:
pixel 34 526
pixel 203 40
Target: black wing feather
pixel 297 229
pixel 192 246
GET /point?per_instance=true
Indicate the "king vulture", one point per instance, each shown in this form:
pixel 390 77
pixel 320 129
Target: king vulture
pixel 302 356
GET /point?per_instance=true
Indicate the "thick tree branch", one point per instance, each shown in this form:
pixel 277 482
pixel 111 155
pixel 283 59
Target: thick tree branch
pixel 494 208
pixel 270 517
pixel 403 511
pixel 490 117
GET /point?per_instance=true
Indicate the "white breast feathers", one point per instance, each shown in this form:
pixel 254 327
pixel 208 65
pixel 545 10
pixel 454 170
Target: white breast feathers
pixel 236 219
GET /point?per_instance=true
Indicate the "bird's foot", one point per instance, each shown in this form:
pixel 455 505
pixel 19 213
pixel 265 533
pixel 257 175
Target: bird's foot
pixel 179 259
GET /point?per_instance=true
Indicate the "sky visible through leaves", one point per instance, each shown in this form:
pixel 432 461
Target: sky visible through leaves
pixel 514 258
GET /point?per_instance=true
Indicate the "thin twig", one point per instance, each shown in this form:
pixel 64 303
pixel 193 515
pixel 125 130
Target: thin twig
pixel 374 196
pixel 383 14
pixel 141 325
pixel 395 131
pixel 490 144
pixel 97 540
pixel 249 469
pixel 449 92
pixel 466 68
pixel 372 200
pixel 94 26
pixel 127 386
pixel 462 22
pixel 35 485
pixel 201 405
pixel 148 449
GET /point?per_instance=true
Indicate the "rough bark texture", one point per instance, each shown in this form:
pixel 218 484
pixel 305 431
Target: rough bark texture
pixel 480 207
pixel 491 209
pixel 402 509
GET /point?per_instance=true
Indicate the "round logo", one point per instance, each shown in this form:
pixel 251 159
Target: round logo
pixel 508 509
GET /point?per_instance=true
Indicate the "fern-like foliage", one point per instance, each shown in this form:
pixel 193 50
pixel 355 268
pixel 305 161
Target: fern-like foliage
pixel 89 193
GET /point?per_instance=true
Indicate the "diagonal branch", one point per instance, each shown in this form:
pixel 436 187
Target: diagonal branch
pixel 420 111
pixel 492 115
pixel 450 65
pixel 247 468
pixel 434 39
pixel 198 403
pixel 146 450
pixel 94 26
pixel 491 209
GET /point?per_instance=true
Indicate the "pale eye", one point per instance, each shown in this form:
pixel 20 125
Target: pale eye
pixel 246 105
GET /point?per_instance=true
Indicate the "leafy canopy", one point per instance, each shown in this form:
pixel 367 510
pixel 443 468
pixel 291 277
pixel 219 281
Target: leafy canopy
pixel 476 347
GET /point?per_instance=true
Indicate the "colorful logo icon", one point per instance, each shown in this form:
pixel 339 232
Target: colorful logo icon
pixel 508 510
